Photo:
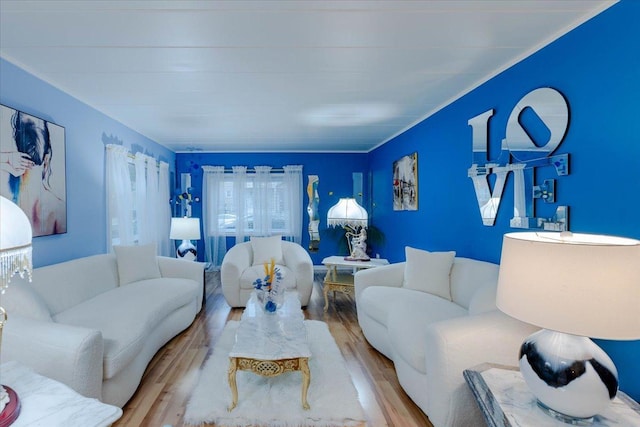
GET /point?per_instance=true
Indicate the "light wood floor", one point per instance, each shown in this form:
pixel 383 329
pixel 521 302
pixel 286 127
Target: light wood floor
pixel 162 396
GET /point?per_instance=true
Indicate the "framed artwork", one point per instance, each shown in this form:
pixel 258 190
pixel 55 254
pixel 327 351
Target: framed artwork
pixel 405 183
pixel 33 169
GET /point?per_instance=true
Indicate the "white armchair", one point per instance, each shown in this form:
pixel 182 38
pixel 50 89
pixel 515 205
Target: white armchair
pixel 240 268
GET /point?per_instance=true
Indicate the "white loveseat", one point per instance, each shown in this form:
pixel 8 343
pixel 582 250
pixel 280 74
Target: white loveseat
pixel 431 339
pixel 94 325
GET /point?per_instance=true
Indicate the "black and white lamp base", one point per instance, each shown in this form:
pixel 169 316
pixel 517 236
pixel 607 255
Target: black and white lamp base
pixel 572 378
pixel 186 251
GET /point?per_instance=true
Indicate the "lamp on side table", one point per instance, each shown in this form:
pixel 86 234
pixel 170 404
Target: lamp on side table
pixel 349 214
pixel 185 229
pixel 575 286
pixel 15 257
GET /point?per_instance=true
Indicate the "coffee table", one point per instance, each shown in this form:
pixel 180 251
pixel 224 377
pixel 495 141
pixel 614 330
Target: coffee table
pixel 270 344
pixel 343 282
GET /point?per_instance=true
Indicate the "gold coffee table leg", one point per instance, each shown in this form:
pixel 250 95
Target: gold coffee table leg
pixel 231 374
pixel 325 291
pixel 306 379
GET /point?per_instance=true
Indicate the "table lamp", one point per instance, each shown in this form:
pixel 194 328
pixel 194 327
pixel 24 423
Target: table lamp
pixel 185 229
pixel 15 257
pixel 349 214
pixel 574 286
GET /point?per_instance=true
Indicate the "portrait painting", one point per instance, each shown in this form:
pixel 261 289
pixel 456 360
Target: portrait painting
pixel 405 183
pixel 32 169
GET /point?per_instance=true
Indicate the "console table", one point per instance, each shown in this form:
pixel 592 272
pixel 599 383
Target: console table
pixel 343 282
pixel 505 400
pixel 46 402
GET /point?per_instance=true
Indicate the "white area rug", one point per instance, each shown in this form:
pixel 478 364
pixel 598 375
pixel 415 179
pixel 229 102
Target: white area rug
pixel 276 401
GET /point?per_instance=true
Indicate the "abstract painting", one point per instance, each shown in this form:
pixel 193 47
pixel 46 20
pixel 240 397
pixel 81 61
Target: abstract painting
pixel 405 183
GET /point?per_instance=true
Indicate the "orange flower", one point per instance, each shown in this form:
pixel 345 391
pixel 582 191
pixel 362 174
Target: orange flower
pixel 269 272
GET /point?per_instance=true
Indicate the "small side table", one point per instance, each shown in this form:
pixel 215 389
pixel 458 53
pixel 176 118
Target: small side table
pixel 343 282
pixel 46 402
pixel 505 401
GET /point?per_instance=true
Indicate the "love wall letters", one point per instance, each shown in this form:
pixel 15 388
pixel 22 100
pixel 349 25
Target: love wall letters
pixel 536 127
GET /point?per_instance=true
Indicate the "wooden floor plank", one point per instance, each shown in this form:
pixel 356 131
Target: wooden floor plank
pixel 163 394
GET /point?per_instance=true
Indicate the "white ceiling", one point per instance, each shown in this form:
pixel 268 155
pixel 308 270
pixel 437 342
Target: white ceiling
pixel 276 75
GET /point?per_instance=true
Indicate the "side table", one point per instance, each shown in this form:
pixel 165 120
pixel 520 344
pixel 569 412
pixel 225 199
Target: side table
pixel 343 282
pixel 505 401
pixel 46 402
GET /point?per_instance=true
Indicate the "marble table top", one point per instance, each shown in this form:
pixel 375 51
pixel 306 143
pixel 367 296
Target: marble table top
pixel 46 402
pixel 338 260
pixel 506 401
pixel 272 336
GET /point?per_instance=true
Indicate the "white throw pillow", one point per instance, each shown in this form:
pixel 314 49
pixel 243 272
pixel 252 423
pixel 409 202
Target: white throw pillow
pixel 266 248
pixel 137 263
pixel 428 271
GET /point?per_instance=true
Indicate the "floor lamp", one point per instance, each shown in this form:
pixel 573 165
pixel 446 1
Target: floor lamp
pixel 574 286
pixel 15 258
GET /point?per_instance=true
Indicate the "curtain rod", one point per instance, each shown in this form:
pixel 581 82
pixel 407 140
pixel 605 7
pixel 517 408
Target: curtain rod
pixel 133 157
pixel 248 169
pixel 253 170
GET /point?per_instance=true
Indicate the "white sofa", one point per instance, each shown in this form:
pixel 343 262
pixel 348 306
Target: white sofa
pixel 94 327
pixel 242 265
pixel 432 339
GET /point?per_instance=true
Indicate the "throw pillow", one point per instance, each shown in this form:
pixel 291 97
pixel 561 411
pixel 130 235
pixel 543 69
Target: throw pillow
pixel 266 248
pixel 136 263
pixel 428 271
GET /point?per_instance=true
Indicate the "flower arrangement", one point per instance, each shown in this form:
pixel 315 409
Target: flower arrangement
pixel 270 286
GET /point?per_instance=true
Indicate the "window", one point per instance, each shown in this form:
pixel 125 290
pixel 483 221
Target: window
pixel 274 216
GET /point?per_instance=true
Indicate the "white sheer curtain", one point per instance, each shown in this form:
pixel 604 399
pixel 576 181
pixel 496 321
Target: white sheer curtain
pixel 293 182
pixel 146 234
pixel 257 204
pixel 240 194
pixel 262 201
pixel 213 208
pixel 119 197
pixel 138 206
pixel 163 213
pixel 154 205
pixel 153 211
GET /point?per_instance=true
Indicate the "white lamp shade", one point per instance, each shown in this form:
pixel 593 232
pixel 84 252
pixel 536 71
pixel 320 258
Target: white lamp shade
pixel 581 284
pixel 185 229
pixel 15 242
pixel 15 228
pixel 347 212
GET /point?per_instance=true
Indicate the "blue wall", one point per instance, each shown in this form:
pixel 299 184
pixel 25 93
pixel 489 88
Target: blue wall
pixel 334 171
pixel 87 130
pixel 597 68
